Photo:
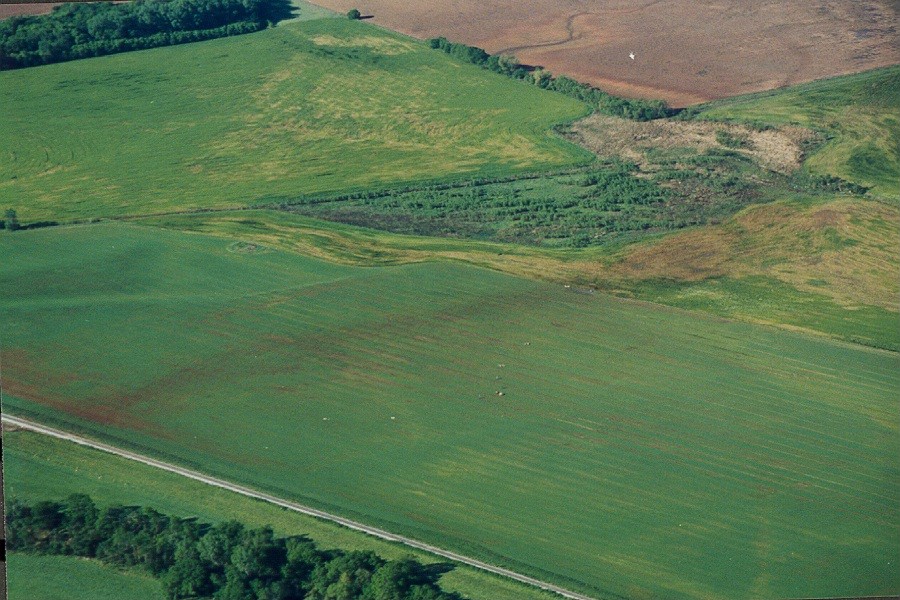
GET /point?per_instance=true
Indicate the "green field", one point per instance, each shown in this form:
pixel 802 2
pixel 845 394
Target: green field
pixel 40 468
pixel 303 108
pixel 67 578
pixel 636 450
pixel 859 115
pixel 827 266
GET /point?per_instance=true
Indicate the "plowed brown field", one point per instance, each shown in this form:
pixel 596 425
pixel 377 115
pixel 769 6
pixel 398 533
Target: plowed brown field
pixel 21 9
pixel 686 51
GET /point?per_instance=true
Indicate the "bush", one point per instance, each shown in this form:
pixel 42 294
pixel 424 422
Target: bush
pixel 731 140
pixel 11 220
pixel 354 14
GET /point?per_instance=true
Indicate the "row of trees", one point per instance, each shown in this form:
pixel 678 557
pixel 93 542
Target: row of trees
pixel 639 110
pixel 226 561
pixel 80 30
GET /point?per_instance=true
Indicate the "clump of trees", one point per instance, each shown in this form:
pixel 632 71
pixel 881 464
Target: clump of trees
pixel 10 220
pixel 639 110
pixel 226 561
pixel 81 30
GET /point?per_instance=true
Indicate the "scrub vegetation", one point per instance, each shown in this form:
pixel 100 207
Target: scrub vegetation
pixel 857 115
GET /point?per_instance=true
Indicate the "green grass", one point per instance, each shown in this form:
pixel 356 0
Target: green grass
pixel 847 246
pixel 303 108
pixel 41 468
pixel 860 114
pixel 68 578
pixel 767 300
pixel 636 451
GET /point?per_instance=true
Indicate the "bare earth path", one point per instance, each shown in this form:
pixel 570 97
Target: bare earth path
pixel 686 51
pixel 251 493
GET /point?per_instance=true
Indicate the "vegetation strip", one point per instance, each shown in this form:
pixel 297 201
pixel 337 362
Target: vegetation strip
pixel 249 492
pixel 226 561
pixel 84 30
pixel 505 64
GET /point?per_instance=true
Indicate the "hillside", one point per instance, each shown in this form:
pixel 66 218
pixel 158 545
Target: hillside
pixel 519 421
pixel 859 117
pixel 686 51
pixel 306 107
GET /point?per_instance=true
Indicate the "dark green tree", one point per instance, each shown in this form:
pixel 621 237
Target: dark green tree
pixel 11 220
pixel 354 14
pixel 188 577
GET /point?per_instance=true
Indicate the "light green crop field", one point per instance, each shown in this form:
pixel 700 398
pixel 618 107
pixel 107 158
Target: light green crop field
pixel 859 113
pixel 42 468
pixel 68 578
pixel 303 108
pixel 635 450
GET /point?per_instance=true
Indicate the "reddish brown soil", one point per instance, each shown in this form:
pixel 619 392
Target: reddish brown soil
pixel 32 8
pixel 686 51
pixel 17 9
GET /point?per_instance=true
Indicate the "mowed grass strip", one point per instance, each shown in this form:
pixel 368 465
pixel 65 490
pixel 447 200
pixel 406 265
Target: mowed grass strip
pixel 70 578
pixel 303 108
pixel 858 114
pixel 635 450
pixel 38 467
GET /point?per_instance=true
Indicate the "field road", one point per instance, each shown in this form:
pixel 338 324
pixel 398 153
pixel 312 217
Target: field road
pixel 245 491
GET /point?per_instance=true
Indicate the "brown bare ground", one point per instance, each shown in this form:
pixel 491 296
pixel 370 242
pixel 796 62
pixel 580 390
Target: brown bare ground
pixel 775 149
pixel 19 9
pixel 686 51
pixel 31 8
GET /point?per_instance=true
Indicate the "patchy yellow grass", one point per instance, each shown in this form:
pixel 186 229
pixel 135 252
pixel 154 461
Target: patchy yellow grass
pixel 386 46
pixel 845 249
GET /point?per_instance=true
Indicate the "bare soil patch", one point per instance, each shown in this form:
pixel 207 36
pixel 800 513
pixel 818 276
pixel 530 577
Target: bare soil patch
pixel 686 51
pixel 609 137
pixel 29 8
pixel 20 9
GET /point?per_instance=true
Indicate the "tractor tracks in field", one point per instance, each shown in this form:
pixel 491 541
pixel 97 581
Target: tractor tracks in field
pixel 570 36
pixel 570 27
pixel 289 505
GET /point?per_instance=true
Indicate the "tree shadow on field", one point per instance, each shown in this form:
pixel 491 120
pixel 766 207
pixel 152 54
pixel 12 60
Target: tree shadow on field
pixel 278 10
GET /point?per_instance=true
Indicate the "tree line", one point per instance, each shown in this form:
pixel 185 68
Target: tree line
pixel 85 29
pixel 639 110
pixel 227 561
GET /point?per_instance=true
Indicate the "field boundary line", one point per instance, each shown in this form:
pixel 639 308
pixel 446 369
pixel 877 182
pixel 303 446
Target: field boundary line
pixel 294 506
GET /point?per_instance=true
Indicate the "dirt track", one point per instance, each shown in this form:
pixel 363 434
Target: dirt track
pixel 686 51
pixel 249 492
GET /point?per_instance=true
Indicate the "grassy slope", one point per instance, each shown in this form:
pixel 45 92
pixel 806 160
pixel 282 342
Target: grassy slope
pixel 68 578
pixel 828 267
pixel 40 468
pixel 636 450
pixel 860 113
pixel 303 108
